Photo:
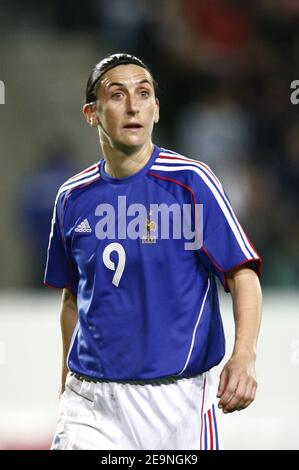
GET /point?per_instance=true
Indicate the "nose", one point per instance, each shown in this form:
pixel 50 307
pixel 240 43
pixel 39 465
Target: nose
pixel 132 105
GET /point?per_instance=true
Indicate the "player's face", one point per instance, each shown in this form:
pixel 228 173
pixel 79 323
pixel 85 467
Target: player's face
pixel 126 107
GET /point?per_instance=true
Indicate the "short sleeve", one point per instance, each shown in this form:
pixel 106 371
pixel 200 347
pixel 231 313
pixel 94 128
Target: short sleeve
pixel 225 246
pixel 60 271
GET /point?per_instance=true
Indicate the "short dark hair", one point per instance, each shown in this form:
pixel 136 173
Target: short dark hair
pixel 106 64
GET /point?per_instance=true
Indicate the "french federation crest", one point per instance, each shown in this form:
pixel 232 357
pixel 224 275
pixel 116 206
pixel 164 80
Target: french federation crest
pixel 150 226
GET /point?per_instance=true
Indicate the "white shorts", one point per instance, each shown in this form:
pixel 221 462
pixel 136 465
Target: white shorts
pixel 170 414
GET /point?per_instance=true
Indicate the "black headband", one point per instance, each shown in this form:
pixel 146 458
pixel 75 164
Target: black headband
pixel 107 64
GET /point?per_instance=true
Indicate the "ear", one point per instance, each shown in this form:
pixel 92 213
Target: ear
pixel 157 112
pixel 90 113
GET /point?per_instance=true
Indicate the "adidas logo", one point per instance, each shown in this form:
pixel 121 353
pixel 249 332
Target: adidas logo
pixel 84 227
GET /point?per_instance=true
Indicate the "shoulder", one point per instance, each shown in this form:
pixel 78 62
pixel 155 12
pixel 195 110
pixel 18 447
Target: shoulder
pixel 83 179
pixel 172 165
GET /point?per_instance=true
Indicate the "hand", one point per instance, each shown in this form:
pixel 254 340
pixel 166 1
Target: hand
pixel 237 386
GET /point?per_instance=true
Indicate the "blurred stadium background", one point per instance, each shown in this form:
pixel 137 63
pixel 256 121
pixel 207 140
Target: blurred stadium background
pixel 224 68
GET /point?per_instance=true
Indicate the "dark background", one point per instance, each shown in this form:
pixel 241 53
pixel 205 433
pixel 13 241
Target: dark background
pixel 224 69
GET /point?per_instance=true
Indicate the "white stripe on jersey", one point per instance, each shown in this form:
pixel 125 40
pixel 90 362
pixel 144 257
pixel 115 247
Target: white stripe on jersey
pixel 73 184
pixel 186 160
pixel 208 171
pixel 82 175
pixel 195 329
pixel 72 342
pixel 247 250
pixel 64 188
pixel 86 170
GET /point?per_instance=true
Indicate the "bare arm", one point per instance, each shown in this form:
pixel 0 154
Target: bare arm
pixel 68 320
pixel 237 387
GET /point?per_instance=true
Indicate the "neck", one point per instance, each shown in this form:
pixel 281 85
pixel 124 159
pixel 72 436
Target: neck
pixel 120 163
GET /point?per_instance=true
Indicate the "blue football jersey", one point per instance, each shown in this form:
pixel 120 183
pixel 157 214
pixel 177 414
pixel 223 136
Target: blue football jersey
pixel 147 302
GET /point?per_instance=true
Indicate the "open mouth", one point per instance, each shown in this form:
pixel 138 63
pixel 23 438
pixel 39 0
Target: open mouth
pixel 133 126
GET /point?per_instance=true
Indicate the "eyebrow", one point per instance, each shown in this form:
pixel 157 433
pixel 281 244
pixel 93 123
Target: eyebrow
pixel 145 80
